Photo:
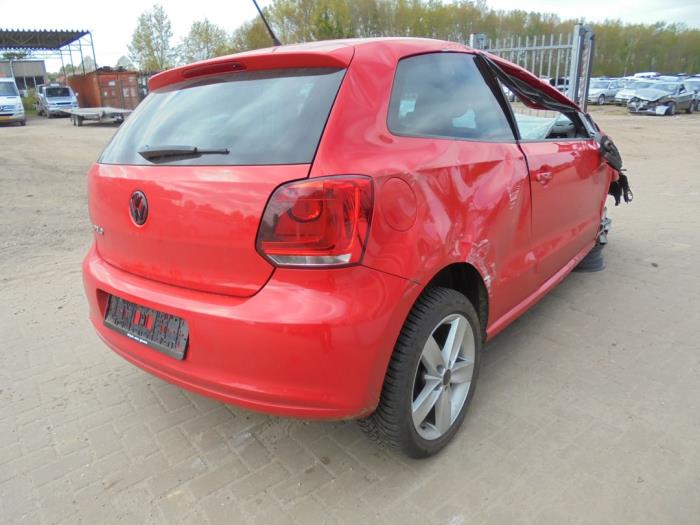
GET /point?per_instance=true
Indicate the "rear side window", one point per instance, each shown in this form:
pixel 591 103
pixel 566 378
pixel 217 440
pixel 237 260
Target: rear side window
pixel 444 95
pixel 260 118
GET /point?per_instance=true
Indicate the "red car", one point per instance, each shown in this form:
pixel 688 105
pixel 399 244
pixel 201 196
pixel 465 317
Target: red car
pixel 332 230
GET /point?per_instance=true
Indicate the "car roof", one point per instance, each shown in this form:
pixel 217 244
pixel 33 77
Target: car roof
pixel 328 53
pixel 331 45
pixel 334 53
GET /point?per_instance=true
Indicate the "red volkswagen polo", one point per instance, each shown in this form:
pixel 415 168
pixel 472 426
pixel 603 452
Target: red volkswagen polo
pixel 332 230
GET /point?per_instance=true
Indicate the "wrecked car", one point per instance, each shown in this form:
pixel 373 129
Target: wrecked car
pixel 693 84
pixel 629 88
pixel 340 238
pixel 662 98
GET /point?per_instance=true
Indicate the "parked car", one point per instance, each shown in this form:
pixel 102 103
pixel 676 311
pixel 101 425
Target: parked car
pixel 52 99
pixel 561 84
pixel 630 87
pixel 603 90
pixel 646 74
pixel 332 230
pixel 671 78
pixel 662 98
pixel 693 84
pixel 11 108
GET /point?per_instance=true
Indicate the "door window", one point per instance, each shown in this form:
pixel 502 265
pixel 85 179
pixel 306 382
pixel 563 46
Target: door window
pixel 540 125
pixel 444 95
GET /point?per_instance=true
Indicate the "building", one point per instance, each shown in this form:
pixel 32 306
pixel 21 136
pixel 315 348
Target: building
pixel 27 73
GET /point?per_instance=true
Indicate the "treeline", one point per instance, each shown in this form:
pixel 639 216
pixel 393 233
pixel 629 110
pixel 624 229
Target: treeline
pixel 620 48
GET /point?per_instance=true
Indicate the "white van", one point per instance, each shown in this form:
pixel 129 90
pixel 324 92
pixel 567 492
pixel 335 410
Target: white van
pixel 11 108
pixel 52 99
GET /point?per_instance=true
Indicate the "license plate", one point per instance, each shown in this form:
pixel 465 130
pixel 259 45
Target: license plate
pixel 163 332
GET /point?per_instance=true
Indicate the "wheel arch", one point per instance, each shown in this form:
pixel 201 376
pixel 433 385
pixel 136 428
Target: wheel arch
pixel 466 279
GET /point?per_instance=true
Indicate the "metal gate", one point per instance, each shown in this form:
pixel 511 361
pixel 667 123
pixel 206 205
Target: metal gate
pixel 563 60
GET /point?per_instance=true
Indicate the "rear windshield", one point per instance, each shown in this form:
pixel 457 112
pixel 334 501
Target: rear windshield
pixel 8 89
pixel 57 92
pixel 259 118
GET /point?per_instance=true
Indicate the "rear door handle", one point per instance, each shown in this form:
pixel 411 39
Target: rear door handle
pixel 543 177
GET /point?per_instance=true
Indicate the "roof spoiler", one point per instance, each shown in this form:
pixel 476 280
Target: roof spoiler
pixel 262 59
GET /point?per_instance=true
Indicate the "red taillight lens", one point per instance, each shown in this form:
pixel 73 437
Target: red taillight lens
pixel 317 222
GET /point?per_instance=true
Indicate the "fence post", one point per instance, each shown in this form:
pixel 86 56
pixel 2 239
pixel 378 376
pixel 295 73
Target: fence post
pixel 590 51
pixel 477 41
pixel 575 65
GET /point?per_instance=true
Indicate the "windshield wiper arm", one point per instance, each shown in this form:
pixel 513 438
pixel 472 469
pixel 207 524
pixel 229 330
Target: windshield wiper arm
pixel 164 152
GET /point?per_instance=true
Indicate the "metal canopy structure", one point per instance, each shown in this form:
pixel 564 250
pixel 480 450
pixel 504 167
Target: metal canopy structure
pixel 43 43
pixel 26 40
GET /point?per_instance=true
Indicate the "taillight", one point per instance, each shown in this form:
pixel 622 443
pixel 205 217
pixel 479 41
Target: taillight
pixel 317 222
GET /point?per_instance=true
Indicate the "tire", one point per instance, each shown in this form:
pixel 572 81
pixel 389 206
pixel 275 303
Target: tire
pixel 601 100
pixel 23 123
pixel 689 109
pixel 671 110
pixel 437 312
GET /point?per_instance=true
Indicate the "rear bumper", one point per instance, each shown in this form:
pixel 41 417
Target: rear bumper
pixel 312 343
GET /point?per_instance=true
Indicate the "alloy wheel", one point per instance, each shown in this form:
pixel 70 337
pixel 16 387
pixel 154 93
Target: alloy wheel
pixel 443 377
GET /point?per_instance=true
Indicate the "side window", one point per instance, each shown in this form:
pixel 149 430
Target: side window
pixel 444 95
pixel 540 125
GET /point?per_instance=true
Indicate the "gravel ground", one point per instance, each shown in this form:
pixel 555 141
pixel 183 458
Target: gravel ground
pixel 588 408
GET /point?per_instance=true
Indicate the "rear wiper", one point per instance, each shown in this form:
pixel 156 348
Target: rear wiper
pixel 164 152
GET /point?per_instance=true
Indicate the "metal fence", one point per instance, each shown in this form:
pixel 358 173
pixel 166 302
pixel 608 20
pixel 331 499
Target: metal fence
pixel 564 60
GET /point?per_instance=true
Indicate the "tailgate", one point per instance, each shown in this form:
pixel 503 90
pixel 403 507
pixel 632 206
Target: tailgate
pixel 201 222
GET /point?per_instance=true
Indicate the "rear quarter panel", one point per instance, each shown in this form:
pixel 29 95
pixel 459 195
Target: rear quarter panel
pixel 471 200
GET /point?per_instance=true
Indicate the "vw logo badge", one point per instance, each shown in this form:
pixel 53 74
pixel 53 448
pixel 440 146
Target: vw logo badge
pixel 138 206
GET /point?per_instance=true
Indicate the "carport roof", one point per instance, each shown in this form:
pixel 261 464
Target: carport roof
pixel 42 39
